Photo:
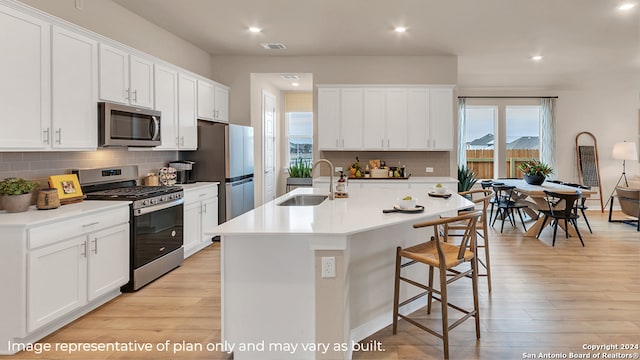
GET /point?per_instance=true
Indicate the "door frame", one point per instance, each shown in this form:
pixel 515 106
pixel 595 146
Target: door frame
pixel 265 95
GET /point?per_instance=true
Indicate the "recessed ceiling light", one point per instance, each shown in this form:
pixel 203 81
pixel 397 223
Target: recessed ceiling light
pixel 536 58
pixel 400 29
pixel 295 84
pixel 254 29
pixel 626 6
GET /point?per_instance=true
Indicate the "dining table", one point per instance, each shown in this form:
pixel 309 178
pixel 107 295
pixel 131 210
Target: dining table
pixel 535 197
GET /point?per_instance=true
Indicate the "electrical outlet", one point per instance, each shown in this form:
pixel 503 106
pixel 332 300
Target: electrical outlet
pixel 429 169
pixel 338 168
pixel 328 267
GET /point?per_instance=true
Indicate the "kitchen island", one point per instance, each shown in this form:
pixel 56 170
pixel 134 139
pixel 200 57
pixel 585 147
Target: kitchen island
pixel 309 282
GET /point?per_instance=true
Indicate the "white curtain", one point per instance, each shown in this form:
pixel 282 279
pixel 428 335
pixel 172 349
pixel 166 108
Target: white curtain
pixel 548 134
pixel 462 141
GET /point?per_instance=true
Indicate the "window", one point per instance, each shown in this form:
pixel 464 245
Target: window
pixel 300 136
pixel 299 127
pixel 492 152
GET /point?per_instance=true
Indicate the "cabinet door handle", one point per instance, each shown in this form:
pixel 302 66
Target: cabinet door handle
pixel 135 95
pixel 126 94
pixel 381 142
pixel 84 249
pixel 46 136
pixel 91 224
pixel 95 246
pixel 388 143
pixel 177 140
pixel 182 140
pixel 204 208
pixel 59 133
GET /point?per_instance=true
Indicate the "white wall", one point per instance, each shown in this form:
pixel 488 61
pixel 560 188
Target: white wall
pixel 109 19
pixel 609 109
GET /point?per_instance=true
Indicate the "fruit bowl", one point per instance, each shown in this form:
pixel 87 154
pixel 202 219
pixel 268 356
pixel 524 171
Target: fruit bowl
pixel 440 190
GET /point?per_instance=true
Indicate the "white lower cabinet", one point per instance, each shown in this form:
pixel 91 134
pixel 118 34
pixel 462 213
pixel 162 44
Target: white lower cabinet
pixel 56 266
pixel 68 274
pixel 200 214
pixel 57 281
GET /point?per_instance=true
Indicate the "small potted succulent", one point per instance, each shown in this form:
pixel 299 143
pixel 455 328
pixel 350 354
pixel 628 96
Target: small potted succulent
pixel 16 193
pixel 535 171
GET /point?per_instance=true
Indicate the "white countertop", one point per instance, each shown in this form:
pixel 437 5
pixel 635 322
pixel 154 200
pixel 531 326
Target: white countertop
pixel 34 216
pixel 412 180
pixel 197 185
pixel 362 211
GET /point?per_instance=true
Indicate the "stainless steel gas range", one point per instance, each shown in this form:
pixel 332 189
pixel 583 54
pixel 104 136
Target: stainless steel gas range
pixel 156 220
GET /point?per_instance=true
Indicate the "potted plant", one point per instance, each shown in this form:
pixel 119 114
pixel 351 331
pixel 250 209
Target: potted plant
pixel 535 171
pixel 16 193
pixel 466 178
pixel 300 173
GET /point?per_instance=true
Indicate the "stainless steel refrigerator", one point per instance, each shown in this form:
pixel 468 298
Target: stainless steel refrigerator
pixel 225 154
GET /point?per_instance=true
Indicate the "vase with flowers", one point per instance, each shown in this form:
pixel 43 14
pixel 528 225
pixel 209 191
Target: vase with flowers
pixel 535 171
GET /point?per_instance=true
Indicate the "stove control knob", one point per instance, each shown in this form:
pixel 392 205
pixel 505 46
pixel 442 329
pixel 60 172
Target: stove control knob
pixel 163 198
pixel 144 202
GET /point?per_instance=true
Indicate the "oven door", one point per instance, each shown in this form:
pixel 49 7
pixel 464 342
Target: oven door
pixel 157 231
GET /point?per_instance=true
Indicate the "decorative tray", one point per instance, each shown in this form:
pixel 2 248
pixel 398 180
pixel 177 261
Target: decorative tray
pixel 435 194
pixel 378 178
pixel 396 208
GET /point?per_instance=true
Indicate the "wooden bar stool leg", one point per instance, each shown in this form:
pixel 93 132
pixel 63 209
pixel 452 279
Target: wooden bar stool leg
pixel 474 281
pixel 487 258
pixel 430 295
pixel 396 291
pixel 444 307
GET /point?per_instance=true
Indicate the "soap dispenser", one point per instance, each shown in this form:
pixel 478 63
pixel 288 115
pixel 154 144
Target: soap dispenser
pixel 341 186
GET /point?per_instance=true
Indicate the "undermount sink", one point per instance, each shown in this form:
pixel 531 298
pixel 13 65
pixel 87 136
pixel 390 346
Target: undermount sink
pixel 304 200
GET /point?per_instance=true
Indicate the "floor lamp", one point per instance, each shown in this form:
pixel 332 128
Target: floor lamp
pixel 623 151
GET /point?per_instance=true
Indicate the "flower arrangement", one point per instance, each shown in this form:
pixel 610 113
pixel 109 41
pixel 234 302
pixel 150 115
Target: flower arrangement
pixel 535 167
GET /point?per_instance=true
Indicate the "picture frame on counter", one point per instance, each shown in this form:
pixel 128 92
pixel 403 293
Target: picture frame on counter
pixel 68 187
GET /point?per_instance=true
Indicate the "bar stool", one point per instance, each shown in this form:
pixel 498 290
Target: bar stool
pixel 444 257
pixel 477 196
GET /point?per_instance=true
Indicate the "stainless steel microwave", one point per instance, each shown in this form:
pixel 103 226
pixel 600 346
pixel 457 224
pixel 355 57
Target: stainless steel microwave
pixel 121 125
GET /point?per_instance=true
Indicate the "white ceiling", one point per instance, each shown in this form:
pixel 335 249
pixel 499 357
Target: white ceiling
pixel 493 39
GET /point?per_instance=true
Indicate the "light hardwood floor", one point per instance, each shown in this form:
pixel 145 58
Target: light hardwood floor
pixel 544 300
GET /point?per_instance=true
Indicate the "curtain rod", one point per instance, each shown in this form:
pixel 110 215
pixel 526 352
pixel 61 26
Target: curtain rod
pixel 507 97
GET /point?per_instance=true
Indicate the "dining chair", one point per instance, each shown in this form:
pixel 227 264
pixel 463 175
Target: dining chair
pixel 437 254
pixel 503 195
pixel 581 205
pixel 488 184
pixel 568 214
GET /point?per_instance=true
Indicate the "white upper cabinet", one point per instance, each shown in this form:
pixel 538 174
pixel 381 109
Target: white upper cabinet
pixel 75 90
pixel 54 73
pixel 351 118
pixel 166 101
pixel 418 119
pixel 25 88
pixel 125 78
pixel 213 101
pixel 221 96
pixel 375 109
pixel 407 118
pixel 187 111
pixel 141 82
pixel 396 116
pixel 441 118
pixel 328 118
pixel 114 74
pixel 205 100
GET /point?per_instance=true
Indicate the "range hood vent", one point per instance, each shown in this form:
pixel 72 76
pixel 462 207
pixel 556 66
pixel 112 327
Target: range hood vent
pixel 273 46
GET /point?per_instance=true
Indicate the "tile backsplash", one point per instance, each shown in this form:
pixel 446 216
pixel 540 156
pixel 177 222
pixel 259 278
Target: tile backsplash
pixel 40 165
